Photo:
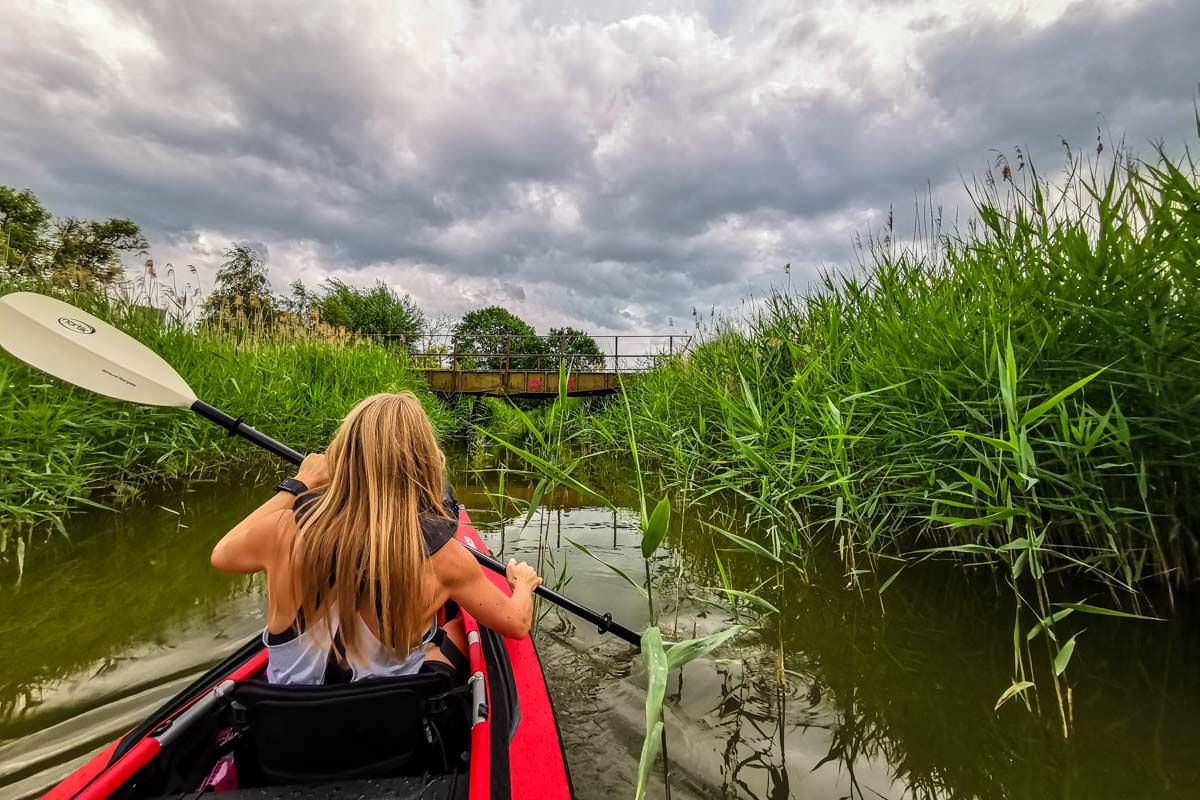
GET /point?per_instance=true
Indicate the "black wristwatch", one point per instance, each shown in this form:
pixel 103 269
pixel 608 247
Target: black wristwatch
pixel 291 486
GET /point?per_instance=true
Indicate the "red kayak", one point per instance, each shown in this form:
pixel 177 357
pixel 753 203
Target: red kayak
pixel 418 736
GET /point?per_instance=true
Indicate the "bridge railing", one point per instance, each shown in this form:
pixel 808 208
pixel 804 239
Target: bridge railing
pixel 491 353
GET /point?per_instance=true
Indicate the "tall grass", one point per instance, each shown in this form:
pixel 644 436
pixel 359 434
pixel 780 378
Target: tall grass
pixel 1020 394
pixel 554 460
pixel 63 448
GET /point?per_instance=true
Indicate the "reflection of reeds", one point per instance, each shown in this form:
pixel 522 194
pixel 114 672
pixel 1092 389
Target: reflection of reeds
pixel 76 596
pixel 909 693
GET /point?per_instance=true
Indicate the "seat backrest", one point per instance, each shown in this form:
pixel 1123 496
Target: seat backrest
pixel 408 725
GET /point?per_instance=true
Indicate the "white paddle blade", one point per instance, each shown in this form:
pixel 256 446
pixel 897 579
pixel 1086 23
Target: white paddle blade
pixel 74 346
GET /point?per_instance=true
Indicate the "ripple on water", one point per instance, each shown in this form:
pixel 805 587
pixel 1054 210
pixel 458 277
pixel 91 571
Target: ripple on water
pixel 97 638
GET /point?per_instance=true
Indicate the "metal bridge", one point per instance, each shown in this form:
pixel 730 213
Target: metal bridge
pixel 529 366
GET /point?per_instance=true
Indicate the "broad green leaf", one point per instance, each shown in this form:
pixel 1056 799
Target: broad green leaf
pixel 753 406
pixel 999 444
pixel 691 649
pixel 969 522
pixel 1040 410
pixel 528 423
pixel 656 661
pixel 535 501
pixel 1019 543
pixel 745 544
pixel 549 470
pixel 88 502
pixel 1106 612
pixel 1008 379
pixel 641 589
pixel 1018 567
pixel 852 397
pixel 749 597
pixel 833 412
pixel 633 450
pixel 1012 691
pixel 650 747
pixel 724 575
pixel 976 482
pixel 884 587
pixel 1042 623
pixel 978 549
pixel 1064 656
pixel 656 529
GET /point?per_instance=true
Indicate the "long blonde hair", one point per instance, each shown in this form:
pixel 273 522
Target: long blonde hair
pixel 359 546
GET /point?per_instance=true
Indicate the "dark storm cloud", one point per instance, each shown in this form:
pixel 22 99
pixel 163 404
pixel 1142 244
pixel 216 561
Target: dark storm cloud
pixel 589 165
pixel 1004 82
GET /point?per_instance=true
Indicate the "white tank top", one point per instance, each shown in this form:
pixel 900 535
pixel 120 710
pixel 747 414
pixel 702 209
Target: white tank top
pixel 302 660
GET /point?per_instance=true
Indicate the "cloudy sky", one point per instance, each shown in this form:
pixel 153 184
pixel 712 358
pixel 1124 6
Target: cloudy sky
pixel 607 165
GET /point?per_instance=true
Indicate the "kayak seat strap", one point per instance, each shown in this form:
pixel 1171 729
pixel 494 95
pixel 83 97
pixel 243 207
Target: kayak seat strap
pixel 462 667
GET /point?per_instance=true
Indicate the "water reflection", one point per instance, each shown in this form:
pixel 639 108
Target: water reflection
pixel 832 698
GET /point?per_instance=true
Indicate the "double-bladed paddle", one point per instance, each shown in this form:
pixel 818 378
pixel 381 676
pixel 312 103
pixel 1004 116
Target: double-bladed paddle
pixel 79 348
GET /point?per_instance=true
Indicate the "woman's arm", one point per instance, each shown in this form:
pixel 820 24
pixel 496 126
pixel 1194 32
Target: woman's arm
pixel 250 545
pixel 463 578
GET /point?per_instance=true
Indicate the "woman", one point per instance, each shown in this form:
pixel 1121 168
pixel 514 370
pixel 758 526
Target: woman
pixel 359 557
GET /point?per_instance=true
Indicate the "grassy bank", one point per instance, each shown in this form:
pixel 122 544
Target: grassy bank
pixel 1021 393
pixel 63 448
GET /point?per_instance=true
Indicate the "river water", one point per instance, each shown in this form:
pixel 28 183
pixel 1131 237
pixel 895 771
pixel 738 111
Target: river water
pixel 834 697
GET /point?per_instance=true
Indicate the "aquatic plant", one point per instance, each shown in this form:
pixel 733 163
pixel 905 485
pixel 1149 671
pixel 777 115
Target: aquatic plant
pixel 553 444
pixel 1019 395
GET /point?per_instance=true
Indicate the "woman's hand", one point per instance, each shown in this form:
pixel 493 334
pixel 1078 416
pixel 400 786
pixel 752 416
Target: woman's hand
pixel 314 472
pixel 521 576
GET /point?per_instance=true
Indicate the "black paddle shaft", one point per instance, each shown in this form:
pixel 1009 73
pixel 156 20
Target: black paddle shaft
pixel 236 426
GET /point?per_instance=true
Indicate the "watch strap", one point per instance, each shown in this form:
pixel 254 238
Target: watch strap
pixel 292 486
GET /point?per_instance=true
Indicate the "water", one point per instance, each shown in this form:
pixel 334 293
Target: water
pixel 864 703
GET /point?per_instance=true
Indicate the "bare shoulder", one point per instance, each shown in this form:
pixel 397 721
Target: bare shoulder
pixel 453 564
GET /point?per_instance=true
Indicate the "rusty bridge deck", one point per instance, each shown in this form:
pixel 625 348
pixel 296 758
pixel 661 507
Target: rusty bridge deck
pixel 523 383
pixel 505 366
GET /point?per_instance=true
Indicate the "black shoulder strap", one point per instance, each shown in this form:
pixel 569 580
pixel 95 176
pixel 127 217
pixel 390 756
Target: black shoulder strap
pixel 451 651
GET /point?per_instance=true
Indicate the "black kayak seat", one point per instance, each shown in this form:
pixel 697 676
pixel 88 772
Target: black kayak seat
pixel 431 787
pixel 380 727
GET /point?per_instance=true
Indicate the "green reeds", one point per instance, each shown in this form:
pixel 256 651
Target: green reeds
pixel 1020 395
pixel 63 448
pixel 554 444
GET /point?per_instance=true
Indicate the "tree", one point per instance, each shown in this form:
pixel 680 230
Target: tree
pixel 379 310
pixel 23 222
pixel 241 283
pixel 495 338
pixel 300 302
pixel 87 253
pixel 578 349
